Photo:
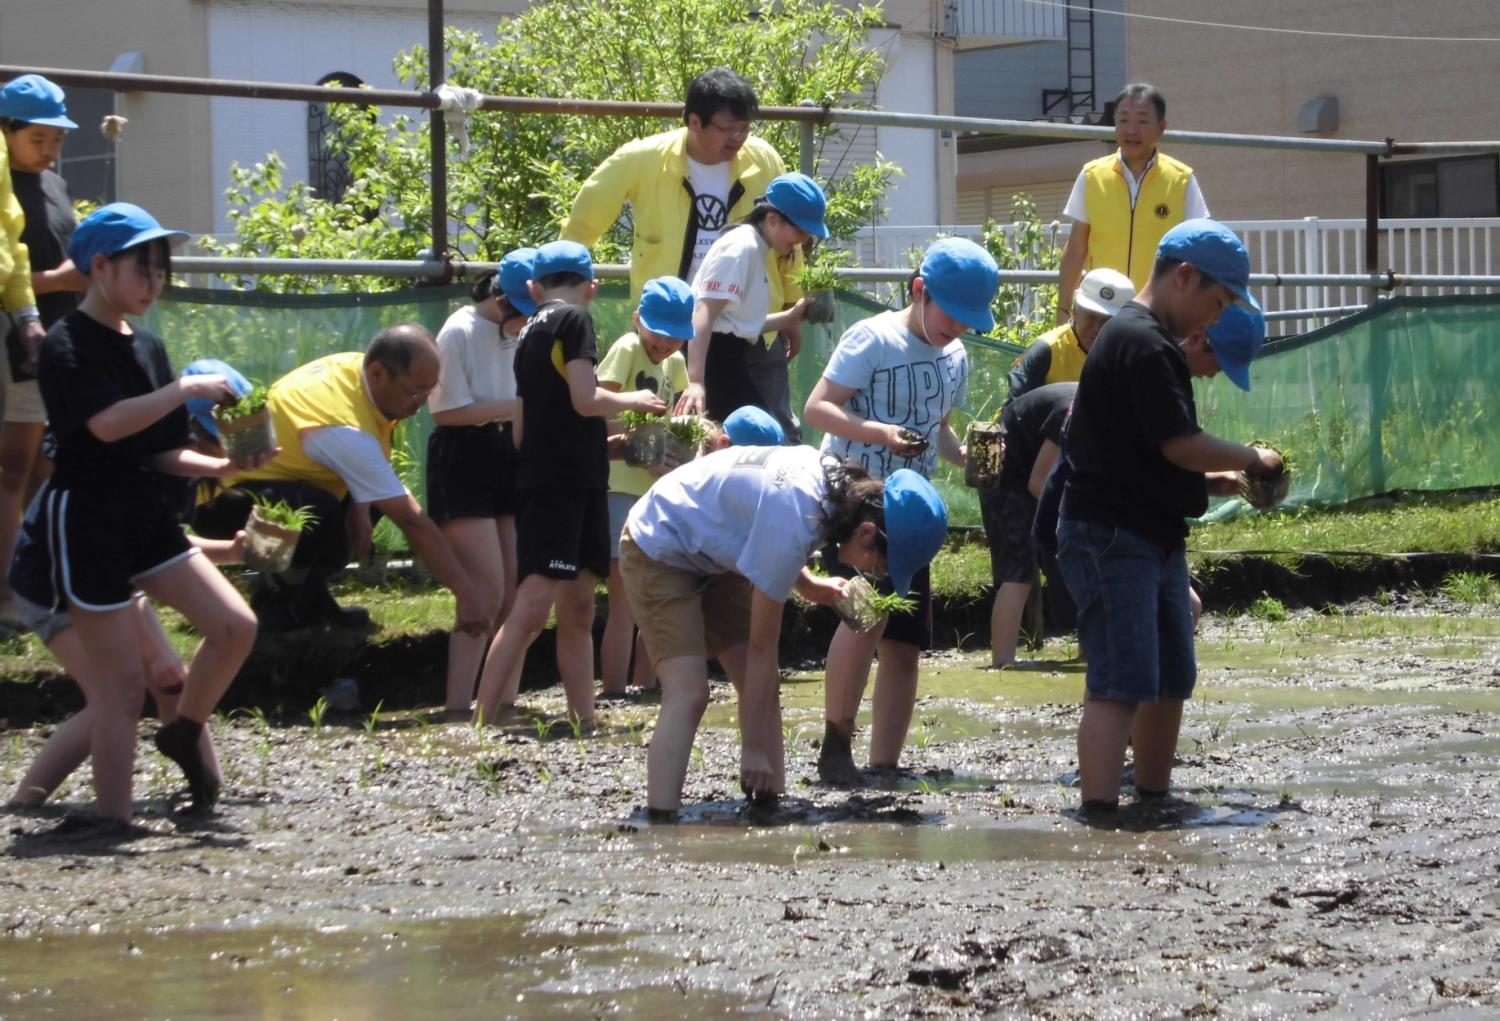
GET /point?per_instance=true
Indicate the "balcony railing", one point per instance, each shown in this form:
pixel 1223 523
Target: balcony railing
pixel 988 22
pixel 1456 247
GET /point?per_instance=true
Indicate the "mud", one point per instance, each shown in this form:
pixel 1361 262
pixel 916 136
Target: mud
pixel 1333 846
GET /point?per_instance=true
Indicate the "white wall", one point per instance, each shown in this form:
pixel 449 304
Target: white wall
pixel 284 42
pixel 910 86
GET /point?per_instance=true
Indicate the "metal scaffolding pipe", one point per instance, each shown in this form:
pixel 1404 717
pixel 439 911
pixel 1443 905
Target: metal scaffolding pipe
pixel 618 271
pixel 815 115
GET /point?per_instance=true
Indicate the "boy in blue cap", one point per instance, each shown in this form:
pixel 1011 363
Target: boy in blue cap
pixel 710 555
pixel 562 469
pixel 884 403
pixel 1140 467
pixel 650 358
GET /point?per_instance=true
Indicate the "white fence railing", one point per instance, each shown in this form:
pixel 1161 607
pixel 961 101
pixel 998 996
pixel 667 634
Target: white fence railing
pixel 1466 247
pixel 1003 19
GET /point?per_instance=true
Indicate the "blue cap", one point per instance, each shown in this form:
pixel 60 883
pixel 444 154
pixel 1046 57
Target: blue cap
pixel 562 257
pixel 35 100
pixel 916 526
pixel 962 278
pixel 114 228
pixel 1236 339
pixel 799 199
pixel 1214 251
pixel 753 427
pixel 201 408
pixel 515 270
pixel 667 308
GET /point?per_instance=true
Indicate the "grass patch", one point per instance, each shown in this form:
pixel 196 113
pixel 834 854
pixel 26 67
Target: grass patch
pixel 1471 587
pixel 961 571
pixel 1418 523
pixel 1268 608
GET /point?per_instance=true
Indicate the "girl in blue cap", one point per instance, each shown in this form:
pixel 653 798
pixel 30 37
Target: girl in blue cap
pixel 102 527
pixel 709 557
pixel 884 403
pixel 471 457
pixel 733 293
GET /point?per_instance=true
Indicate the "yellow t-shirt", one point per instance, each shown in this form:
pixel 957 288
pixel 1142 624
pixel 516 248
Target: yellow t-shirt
pixel 627 364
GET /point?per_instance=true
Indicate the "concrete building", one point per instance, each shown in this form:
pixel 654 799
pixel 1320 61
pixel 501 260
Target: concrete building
pixel 1294 68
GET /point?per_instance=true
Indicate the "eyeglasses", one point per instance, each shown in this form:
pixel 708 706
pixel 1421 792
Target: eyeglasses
pixel 415 396
pixel 740 129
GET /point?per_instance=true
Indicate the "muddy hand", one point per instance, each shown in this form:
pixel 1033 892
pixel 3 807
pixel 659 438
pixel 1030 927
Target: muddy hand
pixel 1267 462
pixel 209 386
pixel 757 779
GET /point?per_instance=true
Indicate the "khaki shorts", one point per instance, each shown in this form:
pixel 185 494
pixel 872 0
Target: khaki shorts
pixel 681 613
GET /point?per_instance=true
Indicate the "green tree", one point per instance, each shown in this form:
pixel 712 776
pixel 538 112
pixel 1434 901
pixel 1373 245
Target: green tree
pixel 522 170
pixel 1023 312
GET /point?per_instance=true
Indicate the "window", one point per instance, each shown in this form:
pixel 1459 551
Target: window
pixel 1464 186
pixel 327 172
pixel 88 158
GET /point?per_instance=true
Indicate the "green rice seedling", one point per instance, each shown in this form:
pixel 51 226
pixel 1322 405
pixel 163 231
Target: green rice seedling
pixel 279 512
pixel 246 406
pixel 1471 587
pixel 1268 608
pixel 545 775
pixel 373 720
pixel 316 713
pixel 889 602
pixel 698 757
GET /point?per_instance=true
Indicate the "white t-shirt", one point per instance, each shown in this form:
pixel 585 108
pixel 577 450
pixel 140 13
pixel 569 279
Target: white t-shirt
pixel 735 270
pixel 355 456
pixel 1194 207
pixel 710 183
pixel 478 362
pixel 900 379
pixel 754 511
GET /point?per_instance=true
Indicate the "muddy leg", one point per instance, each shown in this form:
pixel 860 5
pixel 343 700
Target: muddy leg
pixel 575 645
pixel 847 671
pixel 1153 741
pixel 684 697
pixel 895 697
pixel 499 681
pixel 1102 734
pixel 1005 622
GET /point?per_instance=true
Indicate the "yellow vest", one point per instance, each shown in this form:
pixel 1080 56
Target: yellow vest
pixel 1067 354
pixel 1123 237
pixel 329 391
pixel 648 173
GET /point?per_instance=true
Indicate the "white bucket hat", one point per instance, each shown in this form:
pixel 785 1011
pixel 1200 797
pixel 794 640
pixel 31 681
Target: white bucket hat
pixel 1104 292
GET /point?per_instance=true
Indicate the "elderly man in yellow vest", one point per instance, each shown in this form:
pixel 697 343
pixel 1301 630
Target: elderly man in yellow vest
pixel 1123 203
pixel 685 188
pixel 334 419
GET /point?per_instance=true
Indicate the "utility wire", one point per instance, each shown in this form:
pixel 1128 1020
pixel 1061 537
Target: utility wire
pixel 1267 28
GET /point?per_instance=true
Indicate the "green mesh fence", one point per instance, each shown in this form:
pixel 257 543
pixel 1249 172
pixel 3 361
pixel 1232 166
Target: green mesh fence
pixel 1402 398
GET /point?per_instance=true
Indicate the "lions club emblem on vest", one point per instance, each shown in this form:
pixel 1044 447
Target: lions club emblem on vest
pixel 1162 210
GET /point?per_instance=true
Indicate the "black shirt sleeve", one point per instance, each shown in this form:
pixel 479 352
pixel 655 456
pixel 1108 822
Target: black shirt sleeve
pixel 1030 370
pixel 1161 398
pixel 74 386
pixel 575 331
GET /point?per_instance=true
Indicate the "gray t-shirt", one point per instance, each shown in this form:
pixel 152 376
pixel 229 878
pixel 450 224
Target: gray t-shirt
pixel 754 511
pixel 900 379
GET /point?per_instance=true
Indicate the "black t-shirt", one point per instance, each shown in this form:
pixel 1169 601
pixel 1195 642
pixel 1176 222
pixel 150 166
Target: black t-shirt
pixel 1029 421
pixel 1135 394
pixel 560 449
pixel 49 227
pixel 1029 372
pixel 84 368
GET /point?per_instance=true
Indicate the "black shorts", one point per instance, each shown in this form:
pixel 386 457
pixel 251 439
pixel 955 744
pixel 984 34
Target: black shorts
pixel 1008 515
pixel 728 384
pixel 88 549
pixel 560 532
pixel 914 628
pixel 471 472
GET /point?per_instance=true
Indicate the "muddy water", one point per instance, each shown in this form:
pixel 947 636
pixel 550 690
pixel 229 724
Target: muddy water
pixel 1333 847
